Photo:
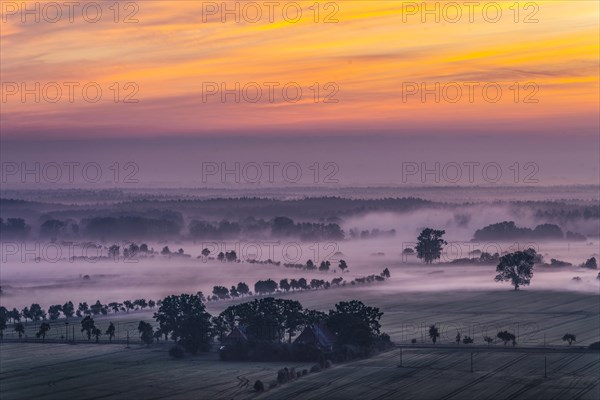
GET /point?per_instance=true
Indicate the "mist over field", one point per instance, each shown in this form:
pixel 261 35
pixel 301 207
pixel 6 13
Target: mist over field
pixel 68 260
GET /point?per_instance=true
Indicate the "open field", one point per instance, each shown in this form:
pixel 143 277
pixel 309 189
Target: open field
pixel 38 370
pixel 431 374
pixel 536 317
pixel 53 371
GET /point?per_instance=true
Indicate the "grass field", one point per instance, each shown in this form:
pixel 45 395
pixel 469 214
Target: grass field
pixel 49 370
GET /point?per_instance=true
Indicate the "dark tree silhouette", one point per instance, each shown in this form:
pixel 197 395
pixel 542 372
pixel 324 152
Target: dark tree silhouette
pixel 44 328
pixel 110 331
pixel 54 312
pixel 434 333
pixel 430 244
pixel 88 326
pixel 324 266
pixel 284 285
pixel 506 337
pixel 569 337
pixel 185 318
pixel 68 309
pixel 591 263
pixel 516 268
pixel 243 289
pixel 342 265
pixel 20 329
pixel 146 332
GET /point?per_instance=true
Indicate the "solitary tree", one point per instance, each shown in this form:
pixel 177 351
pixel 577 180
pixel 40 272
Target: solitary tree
pixel 110 331
pixel 434 333
pixel 44 328
pixel 146 332
pixel 488 340
pixel 87 326
pixel 430 244
pixel 20 329
pixel 342 265
pixel 206 252
pixel 458 337
pixel 569 337
pixel 506 337
pixel 516 268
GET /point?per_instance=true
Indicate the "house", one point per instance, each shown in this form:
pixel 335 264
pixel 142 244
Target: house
pixel 319 336
pixel 235 336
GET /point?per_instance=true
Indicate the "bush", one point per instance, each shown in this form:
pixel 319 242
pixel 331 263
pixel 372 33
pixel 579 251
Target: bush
pixel 282 375
pixel 315 368
pixel 595 346
pixel 258 386
pixel 176 351
pixel 304 372
pixel 413 341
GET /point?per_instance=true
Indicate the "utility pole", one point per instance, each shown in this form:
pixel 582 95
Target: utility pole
pixel 401 356
pixel 471 362
pixel 545 368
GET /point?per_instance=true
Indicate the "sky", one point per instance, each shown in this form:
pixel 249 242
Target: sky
pixel 348 67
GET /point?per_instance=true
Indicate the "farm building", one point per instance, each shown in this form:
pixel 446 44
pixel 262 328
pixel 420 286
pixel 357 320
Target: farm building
pixel 319 336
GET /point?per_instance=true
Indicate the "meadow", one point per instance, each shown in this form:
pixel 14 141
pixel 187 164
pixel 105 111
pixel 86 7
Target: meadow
pixel 49 370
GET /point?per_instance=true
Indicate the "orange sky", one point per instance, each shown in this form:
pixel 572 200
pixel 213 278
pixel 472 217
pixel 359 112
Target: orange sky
pixel 374 51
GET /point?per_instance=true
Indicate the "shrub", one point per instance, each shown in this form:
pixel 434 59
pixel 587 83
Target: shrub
pixel 282 376
pixel 413 340
pixel 315 368
pixel 258 386
pixel 304 372
pixel 176 351
pixel 595 346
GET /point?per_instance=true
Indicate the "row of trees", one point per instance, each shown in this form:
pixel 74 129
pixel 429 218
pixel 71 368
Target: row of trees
pixel 505 336
pixel 36 313
pixel 269 286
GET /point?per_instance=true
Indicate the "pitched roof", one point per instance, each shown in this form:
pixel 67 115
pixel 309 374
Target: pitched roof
pixel 318 335
pixel 236 334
